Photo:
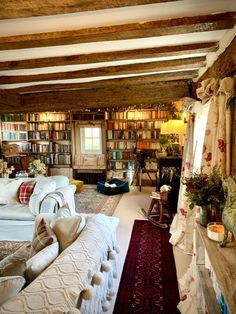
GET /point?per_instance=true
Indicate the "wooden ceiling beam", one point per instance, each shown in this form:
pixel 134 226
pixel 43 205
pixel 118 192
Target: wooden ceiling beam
pixel 9 100
pixel 155 52
pixel 225 65
pixel 183 25
pixel 178 64
pixel 102 97
pixel 171 76
pixel 10 9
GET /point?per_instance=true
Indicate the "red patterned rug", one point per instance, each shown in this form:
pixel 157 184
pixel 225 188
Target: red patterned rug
pixel 148 283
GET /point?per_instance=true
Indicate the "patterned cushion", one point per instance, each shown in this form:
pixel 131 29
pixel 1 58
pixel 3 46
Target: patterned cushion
pixel 43 237
pixel 25 191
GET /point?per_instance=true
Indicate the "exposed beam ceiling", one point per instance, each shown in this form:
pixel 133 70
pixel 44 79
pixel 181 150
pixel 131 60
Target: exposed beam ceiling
pixel 19 9
pixel 68 55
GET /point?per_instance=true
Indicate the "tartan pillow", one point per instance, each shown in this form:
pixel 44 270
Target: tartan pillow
pixel 25 191
pixel 43 236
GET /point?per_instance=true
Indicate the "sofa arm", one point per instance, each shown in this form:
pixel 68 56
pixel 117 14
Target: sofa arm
pixel 48 205
pixel 59 198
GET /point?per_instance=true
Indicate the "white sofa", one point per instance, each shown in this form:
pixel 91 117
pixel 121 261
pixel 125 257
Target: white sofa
pixel 49 194
pixel 80 279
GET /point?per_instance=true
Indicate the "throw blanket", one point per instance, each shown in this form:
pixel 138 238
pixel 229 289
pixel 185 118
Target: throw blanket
pixel 64 197
pixel 59 198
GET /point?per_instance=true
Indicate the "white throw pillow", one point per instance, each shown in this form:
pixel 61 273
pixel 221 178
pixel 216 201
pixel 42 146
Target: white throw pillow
pixel 43 186
pixel 9 191
pixel 60 181
pixel 68 229
pixel 10 286
pixel 36 264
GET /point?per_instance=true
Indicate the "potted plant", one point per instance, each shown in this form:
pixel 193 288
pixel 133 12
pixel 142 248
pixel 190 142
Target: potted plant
pixel 37 167
pixel 207 192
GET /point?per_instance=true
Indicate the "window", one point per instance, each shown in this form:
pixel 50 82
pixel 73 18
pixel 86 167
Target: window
pixel 91 140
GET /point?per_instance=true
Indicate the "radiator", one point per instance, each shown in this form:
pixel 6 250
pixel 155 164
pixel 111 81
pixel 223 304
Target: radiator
pixel 91 177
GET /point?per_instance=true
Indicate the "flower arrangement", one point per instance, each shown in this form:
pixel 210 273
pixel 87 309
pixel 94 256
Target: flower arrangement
pixel 203 189
pixel 37 167
pixel 4 170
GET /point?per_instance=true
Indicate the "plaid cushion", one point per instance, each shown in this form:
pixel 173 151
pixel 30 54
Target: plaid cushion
pixel 43 237
pixel 25 191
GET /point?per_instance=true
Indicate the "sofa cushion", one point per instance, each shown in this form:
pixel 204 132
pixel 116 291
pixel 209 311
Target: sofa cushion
pixel 10 286
pixel 16 212
pixel 16 268
pixel 25 191
pixel 43 186
pixel 67 230
pixel 43 237
pixel 9 191
pixel 60 181
pixel 40 261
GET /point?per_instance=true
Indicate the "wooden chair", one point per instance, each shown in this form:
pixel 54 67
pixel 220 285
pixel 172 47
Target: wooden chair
pixel 24 162
pixel 160 211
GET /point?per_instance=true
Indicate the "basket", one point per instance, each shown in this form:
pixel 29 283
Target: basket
pixel 121 187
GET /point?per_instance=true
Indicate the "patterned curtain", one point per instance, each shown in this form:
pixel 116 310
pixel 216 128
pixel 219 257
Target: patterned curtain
pixel 217 144
pixel 182 226
pixel 219 148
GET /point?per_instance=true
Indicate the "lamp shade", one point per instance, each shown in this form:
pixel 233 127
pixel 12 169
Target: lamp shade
pixel 175 127
pixel 164 128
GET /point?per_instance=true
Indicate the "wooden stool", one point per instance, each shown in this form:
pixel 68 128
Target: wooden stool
pixel 159 212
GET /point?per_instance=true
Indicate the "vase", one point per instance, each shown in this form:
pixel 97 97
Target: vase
pixel 205 212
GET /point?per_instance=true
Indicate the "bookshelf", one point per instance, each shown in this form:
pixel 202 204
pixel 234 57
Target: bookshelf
pixel 128 131
pixel 14 138
pixel 49 137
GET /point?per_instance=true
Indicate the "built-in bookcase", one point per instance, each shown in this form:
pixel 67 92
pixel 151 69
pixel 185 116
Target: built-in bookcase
pixel 49 136
pixel 14 138
pixel 128 133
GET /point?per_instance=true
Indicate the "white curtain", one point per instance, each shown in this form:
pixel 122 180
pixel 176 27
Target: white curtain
pixel 182 225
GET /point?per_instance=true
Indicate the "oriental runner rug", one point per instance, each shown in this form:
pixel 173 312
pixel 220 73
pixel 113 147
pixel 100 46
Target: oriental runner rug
pixel 148 282
pixel 91 201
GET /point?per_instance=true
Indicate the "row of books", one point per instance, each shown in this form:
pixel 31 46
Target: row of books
pixel 133 125
pixel 119 165
pixel 121 155
pixel 142 135
pixel 142 145
pixel 58 159
pixel 130 145
pixel 125 135
pixel 54 159
pixel 46 135
pixel 44 126
pixel 13 117
pixel 137 115
pixel 14 127
pixel 48 116
pixel 10 136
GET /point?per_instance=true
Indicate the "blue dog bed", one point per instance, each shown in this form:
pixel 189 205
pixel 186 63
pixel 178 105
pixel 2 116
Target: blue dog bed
pixel 121 187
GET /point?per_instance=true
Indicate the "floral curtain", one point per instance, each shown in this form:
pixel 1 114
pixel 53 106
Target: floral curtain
pixel 217 144
pixel 218 150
